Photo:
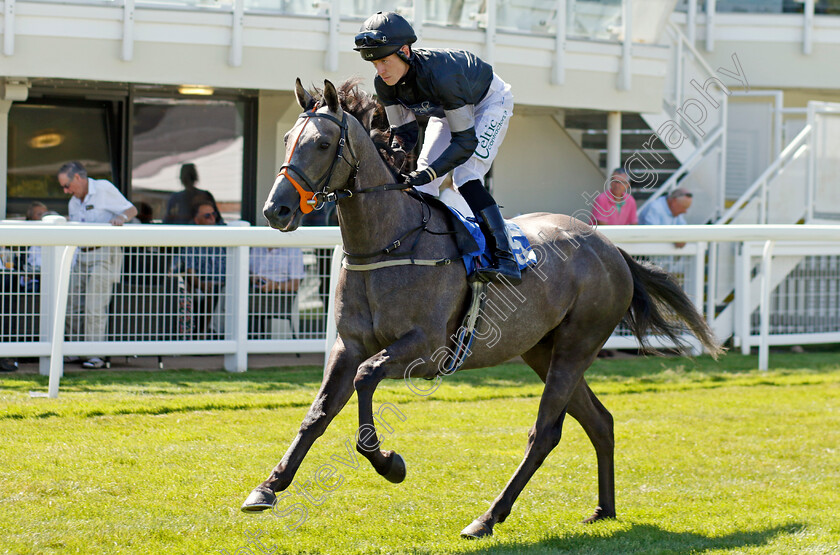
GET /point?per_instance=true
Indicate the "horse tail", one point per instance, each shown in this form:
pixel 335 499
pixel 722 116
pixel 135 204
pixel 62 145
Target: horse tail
pixel 660 306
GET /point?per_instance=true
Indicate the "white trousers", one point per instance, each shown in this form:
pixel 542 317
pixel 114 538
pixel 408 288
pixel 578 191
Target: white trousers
pixel 91 285
pixel 492 117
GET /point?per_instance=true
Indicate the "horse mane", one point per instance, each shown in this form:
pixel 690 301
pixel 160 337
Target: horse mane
pixel 371 114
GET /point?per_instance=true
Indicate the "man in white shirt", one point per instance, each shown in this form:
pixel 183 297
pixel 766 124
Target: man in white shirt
pixel 96 269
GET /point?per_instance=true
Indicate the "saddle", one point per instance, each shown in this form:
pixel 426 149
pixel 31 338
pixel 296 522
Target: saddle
pixel 472 247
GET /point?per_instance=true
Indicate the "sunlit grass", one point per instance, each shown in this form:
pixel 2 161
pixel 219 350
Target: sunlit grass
pixel 710 457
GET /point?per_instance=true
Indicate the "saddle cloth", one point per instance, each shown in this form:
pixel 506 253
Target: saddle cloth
pixel 473 247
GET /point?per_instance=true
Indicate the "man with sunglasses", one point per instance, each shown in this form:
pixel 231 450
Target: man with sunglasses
pixel 469 108
pixel 96 269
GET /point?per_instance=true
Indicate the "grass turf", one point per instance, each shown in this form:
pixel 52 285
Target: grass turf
pixel 710 457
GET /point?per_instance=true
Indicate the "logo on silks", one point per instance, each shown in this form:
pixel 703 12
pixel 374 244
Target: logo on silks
pixel 488 137
pixel 423 108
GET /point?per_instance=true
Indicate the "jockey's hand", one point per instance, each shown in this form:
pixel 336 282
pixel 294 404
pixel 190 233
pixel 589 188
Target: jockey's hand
pixel 419 177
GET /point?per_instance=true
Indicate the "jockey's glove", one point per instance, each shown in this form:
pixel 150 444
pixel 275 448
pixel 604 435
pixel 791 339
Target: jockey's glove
pixel 420 177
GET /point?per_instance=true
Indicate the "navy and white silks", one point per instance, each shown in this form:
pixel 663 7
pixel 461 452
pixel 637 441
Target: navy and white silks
pixel 469 109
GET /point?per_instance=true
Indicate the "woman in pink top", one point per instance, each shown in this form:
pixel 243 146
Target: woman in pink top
pixel 616 206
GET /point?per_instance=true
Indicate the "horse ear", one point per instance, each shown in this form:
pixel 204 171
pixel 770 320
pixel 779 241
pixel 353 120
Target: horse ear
pixel 303 97
pixel 331 96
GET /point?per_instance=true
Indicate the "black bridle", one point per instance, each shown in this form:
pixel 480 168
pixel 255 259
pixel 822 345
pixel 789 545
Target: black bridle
pixel 312 199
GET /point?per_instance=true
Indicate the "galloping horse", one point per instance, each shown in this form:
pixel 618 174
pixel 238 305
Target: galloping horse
pixel 391 317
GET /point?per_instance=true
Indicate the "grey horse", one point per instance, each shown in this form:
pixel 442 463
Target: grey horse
pixel 392 320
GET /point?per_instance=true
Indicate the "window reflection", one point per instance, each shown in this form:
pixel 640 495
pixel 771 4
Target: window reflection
pixel 171 132
pixel 43 136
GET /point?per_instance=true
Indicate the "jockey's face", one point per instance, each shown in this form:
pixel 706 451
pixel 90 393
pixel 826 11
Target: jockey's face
pixel 391 68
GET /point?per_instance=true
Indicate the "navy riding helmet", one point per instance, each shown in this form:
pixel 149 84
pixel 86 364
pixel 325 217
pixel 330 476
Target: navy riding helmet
pixel 383 34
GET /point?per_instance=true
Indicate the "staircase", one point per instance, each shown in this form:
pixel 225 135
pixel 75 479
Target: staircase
pixel 589 128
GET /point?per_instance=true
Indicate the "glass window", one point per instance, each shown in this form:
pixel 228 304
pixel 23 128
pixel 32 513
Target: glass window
pixel 171 132
pixel 43 136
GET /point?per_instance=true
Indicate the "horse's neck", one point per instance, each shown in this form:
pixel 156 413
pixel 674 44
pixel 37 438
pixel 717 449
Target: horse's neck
pixel 369 221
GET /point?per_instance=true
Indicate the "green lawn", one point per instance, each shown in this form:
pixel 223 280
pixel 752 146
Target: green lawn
pixel 711 458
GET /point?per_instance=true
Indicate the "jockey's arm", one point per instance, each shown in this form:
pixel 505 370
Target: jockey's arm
pixel 404 128
pixel 463 142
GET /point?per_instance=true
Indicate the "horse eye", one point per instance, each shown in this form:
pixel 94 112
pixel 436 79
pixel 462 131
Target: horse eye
pixel 324 146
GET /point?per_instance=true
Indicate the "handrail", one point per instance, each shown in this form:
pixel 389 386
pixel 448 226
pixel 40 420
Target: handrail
pixel 689 164
pixel 789 150
pixel 681 36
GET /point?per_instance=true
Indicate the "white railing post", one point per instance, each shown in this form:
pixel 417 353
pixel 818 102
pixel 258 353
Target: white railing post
pixel 625 71
pixel 331 61
pixel 764 339
pixel 691 22
pixel 710 25
pixel 490 32
pixel 558 74
pixel 699 283
pixel 128 31
pixel 9 27
pixel 332 332
pixel 724 115
pixel 808 27
pixel 743 264
pixel 236 290
pixel 237 24
pixel 419 17
pixel 59 313
pixel 811 174
pixel 711 286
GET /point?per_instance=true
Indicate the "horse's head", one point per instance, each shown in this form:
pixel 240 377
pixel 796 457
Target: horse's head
pixel 319 159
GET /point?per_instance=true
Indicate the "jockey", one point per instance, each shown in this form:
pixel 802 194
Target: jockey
pixel 469 108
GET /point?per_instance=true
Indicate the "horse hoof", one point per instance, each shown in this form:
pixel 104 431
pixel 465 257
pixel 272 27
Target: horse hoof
pixel 396 473
pixel 261 498
pixel 599 514
pixel 476 530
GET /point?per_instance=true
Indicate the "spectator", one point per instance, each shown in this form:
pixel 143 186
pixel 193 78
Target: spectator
pixel 145 213
pixel 181 206
pixel 205 268
pixel 668 210
pixel 36 211
pixel 616 206
pixel 276 274
pixel 97 269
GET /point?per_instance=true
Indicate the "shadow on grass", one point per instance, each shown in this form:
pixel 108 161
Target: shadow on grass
pixel 645 538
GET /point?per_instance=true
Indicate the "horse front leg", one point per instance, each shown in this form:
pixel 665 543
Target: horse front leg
pixel 388 363
pixel 336 390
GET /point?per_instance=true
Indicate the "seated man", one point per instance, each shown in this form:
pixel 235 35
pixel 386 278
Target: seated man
pixel 668 210
pixel 276 274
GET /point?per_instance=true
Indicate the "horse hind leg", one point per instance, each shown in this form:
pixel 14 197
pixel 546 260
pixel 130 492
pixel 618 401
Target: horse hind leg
pixel 564 374
pixel 597 422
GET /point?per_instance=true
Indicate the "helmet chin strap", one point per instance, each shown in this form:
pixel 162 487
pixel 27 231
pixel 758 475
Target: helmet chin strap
pixel 403 57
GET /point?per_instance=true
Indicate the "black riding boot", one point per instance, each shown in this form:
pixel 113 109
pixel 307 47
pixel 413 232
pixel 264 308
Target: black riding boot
pixel 498 241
